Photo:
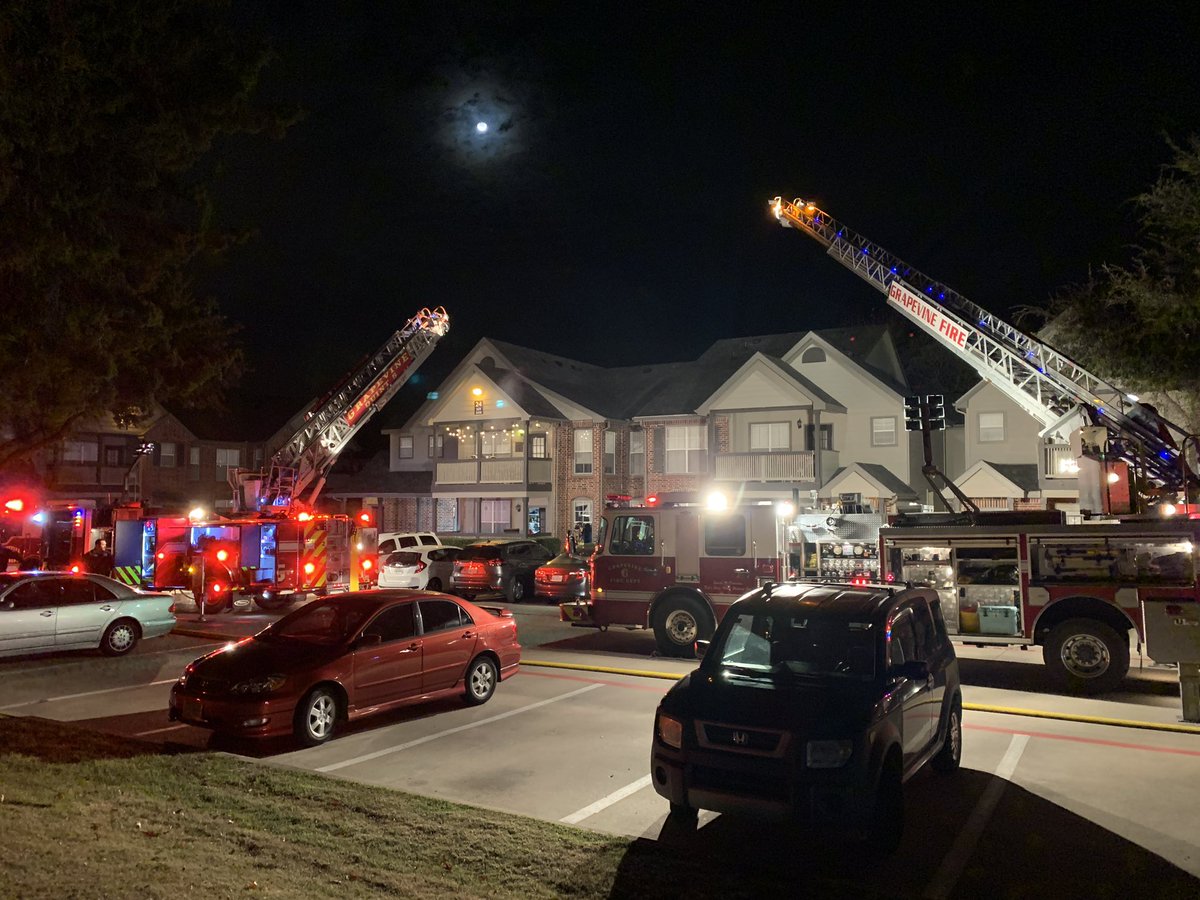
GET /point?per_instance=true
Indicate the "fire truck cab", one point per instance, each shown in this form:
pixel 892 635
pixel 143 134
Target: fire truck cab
pixel 677 569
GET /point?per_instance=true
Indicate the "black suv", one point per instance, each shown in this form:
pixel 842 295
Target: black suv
pixel 506 566
pixel 814 702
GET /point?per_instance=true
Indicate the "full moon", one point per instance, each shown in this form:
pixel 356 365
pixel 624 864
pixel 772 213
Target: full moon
pixel 481 127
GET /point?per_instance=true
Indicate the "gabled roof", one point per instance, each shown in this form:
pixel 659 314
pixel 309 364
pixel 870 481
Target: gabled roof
pixel 1022 476
pixel 814 394
pixel 891 484
pixel 522 392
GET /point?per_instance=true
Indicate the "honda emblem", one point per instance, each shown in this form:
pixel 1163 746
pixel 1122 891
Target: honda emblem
pixel 741 738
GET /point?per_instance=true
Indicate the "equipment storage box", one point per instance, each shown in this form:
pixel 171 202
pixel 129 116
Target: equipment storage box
pixel 998 620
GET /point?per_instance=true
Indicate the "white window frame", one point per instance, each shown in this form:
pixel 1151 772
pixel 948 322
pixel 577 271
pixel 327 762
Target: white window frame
pixel 883 437
pixel 436 447
pixel 194 463
pixel 687 449
pixel 495 515
pixel 769 437
pixel 637 453
pixel 581 511
pixel 610 452
pixel 583 451
pixel 166 455
pixel 495 444
pixel 539 445
pixel 991 427
pixel 404 449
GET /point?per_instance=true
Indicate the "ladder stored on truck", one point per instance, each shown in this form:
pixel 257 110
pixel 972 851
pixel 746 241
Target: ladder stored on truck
pixel 299 468
pixel 1055 390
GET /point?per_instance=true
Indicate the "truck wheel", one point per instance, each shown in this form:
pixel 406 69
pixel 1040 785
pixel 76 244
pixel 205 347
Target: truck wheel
pixel 950 755
pixel 678 624
pixel 214 604
pixel 1086 656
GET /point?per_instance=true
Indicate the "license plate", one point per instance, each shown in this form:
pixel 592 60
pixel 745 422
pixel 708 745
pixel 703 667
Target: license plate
pixel 193 708
pixel 556 577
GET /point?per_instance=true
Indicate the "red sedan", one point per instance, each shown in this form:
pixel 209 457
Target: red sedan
pixel 340 658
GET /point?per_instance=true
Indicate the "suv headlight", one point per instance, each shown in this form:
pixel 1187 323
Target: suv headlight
pixel 828 754
pixel 670 731
pixel 258 685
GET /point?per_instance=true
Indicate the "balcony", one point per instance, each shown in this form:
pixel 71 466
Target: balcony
pixel 791 466
pixel 492 472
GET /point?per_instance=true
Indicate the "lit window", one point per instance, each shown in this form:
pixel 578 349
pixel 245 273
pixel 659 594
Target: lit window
pixel 610 452
pixel 583 451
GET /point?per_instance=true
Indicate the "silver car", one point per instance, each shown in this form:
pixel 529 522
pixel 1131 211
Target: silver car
pixel 41 612
pixel 425 568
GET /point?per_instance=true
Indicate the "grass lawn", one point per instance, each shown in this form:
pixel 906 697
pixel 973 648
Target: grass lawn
pixel 89 815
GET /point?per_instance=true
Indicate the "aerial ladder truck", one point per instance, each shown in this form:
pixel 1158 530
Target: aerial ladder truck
pixel 1056 391
pixel 276 546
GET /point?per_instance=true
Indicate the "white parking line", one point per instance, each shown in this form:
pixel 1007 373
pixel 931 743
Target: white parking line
pixel 433 737
pixel 128 687
pixel 160 730
pixel 604 802
pixel 956 860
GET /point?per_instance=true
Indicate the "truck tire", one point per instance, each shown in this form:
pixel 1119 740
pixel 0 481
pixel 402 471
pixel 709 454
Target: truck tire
pixel 1086 656
pixel 679 622
pixel 270 604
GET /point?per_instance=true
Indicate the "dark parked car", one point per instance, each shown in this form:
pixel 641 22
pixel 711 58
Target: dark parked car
pixel 814 702
pixel 563 578
pixel 490 566
pixel 343 657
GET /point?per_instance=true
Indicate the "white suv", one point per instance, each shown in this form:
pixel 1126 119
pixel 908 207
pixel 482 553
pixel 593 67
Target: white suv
pixel 407 540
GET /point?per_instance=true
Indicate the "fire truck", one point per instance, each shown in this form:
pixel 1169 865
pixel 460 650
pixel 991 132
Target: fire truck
pixel 276 546
pixel 1079 591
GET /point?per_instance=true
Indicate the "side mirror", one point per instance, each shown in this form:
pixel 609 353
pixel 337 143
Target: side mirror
pixel 368 640
pixel 701 648
pixel 913 669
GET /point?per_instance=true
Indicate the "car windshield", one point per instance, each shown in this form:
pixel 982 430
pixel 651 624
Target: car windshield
pixel 333 621
pixel 403 558
pixel 797 643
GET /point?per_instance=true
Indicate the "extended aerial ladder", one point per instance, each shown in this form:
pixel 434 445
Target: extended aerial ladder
pixel 1055 390
pixel 300 467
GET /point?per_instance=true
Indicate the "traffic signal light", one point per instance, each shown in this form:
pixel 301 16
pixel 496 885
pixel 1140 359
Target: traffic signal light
pixel 912 413
pixel 937 411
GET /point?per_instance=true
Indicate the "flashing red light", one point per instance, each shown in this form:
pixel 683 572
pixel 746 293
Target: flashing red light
pixel 652 500
pixel 364 517
pixel 222 555
pixel 309 568
pixel 890 578
pixel 75 569
pixel 368 565
pixel 161 555
pixel 16 504
pixel 217 587
pixel 303 517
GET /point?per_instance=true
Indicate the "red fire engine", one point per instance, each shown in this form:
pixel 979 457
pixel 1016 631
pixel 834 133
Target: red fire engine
pixel 677 569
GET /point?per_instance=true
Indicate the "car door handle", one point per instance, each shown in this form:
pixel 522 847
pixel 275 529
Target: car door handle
pixel 48 612
pixel 468 634
pixel 412 648
pixel 107 608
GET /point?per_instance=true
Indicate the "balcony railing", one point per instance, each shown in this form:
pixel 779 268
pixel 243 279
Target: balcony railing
pixel 781 466
pixel 493 471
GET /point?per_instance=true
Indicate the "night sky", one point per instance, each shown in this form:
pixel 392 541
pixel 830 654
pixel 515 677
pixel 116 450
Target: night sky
pixel 616 209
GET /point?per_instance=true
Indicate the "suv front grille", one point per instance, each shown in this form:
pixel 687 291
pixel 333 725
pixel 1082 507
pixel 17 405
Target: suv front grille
pixel 757 741
pixel 750 784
